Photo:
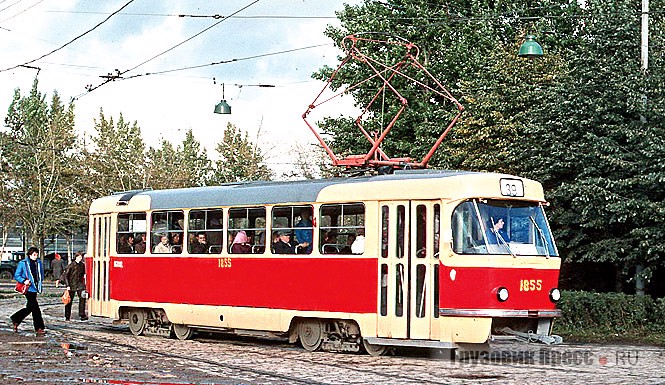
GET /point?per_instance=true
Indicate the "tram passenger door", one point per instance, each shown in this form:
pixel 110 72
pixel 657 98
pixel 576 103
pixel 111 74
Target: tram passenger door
pixel 407 266
pixel 99 248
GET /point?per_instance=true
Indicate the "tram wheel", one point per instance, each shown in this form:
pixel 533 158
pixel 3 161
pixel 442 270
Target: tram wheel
pixel 311 334
pixel 182 332
pixel 137 321
pixel 374 350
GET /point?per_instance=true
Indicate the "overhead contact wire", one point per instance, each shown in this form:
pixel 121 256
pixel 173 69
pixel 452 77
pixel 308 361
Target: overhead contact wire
pixel 71 41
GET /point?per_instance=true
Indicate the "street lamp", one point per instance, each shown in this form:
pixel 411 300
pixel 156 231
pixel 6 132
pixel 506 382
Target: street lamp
pixel 530 48
pixel 223 107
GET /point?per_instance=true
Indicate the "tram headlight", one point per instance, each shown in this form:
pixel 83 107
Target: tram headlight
pixel 502 294
pixel 555 295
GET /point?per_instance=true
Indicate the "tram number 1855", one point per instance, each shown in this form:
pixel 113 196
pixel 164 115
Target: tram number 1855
pixel 224 262
pixel 531 284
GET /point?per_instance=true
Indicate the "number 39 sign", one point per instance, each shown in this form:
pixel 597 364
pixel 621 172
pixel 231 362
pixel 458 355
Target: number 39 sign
pixel 512 187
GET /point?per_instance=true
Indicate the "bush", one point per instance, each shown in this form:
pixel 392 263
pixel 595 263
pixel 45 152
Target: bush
pixel 600 316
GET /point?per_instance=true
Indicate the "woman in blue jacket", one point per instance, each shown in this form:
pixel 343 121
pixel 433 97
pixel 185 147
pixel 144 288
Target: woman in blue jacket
pixel 31 272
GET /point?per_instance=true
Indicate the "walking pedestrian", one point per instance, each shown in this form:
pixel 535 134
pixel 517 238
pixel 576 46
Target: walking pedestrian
pixel 30 271
pixel 57 267
pixel 74 279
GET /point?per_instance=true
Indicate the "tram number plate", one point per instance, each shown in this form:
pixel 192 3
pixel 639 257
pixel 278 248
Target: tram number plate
pixel 512 187
pixel 531 284
pixel 224 262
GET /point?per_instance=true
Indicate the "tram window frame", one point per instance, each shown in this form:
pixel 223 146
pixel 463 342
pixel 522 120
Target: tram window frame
pixel 385 228
pixel 209 222
pixel 421 231
pixel 252 220
pixel 352 224
pixel 129 224
pixel 169 218
pixel 436 218
pixel 286 218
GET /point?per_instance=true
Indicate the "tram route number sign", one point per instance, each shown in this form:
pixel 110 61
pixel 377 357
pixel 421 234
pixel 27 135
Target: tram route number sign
pixel 511 187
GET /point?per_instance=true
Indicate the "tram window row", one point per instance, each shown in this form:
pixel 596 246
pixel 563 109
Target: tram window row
pixel 340 227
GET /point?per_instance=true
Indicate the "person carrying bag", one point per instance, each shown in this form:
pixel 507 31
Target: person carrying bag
pixel 30 272
pixel 74 279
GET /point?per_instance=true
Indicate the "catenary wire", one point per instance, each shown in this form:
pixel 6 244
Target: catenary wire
pixel 71 41
pixel 23 11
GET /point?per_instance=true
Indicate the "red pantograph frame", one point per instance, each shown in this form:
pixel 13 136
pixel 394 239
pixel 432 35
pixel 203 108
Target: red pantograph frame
pixel 375 157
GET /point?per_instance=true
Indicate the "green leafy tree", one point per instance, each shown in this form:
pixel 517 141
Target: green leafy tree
pixel 41 166
pixel 574 119
pixel 196 168
pixel 116 163
pixel 177 167
pixel 239 159
pixel 163 167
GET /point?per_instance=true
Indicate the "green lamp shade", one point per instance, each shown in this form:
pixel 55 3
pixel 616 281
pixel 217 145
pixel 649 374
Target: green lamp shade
pixel 530 48
pixel 222 108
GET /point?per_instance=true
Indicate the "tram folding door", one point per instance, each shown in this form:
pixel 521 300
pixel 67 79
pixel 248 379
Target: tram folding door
pixel 99 250
pixel 408 257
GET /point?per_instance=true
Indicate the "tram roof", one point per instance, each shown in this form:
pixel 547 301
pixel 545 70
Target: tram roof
pixel 263 192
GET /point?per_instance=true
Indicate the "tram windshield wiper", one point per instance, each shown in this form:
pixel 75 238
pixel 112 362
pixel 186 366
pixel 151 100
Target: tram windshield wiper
pixel 542 236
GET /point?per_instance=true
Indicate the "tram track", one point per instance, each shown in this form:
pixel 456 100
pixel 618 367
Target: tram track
pixel 248 352
pixel 266 346
pixel 324 363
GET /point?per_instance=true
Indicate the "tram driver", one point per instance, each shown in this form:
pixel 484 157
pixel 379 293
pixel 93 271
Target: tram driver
pixel 496 233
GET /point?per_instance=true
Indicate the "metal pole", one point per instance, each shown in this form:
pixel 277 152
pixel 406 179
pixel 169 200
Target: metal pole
pixel 645 36
pixel 644 58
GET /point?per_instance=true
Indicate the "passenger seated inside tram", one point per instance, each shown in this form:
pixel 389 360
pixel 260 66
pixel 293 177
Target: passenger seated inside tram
pixel 176 243
pixel 164 246
pixel 330 243
pixel 126 244
pixel 304 232
pixel 349 241
pixel 273 242
pixel 495 232
pixel 199 244
pixel 241 244
pixel 358 245
pixel 284 245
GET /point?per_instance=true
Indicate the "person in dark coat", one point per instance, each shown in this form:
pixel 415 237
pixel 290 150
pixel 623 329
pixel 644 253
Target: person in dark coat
pixel 57 266
pixel 284 245
pixel 30 271
pixel 74 279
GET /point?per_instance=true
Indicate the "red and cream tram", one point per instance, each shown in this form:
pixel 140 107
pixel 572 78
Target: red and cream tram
pixel 417 258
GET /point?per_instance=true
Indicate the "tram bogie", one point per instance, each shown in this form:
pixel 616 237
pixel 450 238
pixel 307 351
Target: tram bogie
pixel 440 260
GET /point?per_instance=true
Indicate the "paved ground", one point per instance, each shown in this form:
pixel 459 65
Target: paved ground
pixel 96 351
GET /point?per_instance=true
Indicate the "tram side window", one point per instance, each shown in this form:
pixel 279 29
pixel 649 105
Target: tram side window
pixel 206 231
pixel 131 226
pixel 294 227
pixel 342 226
pixel 467 230
pixel 166 234
pixel 247 230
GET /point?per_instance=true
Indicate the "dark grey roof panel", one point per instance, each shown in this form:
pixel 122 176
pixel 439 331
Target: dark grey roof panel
pixel 259 193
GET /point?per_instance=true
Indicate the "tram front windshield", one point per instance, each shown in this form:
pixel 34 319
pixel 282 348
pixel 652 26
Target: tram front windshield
pixel 482 226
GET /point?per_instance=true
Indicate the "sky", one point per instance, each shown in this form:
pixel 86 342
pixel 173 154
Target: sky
pixel 167 104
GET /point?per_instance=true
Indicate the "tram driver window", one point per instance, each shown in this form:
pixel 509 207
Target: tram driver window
pixel 247 230
pixel 131 226
pixel 294 227
pixel 169 224
pixel 342 227
pixel 205 232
